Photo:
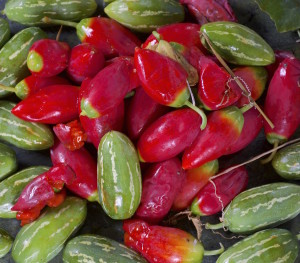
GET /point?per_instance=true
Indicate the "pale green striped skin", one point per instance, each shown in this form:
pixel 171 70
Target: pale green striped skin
pixel 4 32
pixel 30 12
pixel 263 207
pixel 272 245
pixel 95 249
pixel 238 44
pixel 12 187
pixel 119 176
pixel 147 15
pixel 286 162
pixel 6 242
pixel 8 161
pixel 23 134
pixel 43 239
pixel 13 57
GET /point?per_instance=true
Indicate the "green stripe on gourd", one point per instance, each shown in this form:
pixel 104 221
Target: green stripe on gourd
pixel 12 187
pixel 43 239
pixel 4 32
pixel 23 134
pixel 8 161
pixel 13 57
pixel 31 12
pixel 6 242
pixel 119 176
pixel 287 162
pixel 94 248
pixel 261 207
pixel 238 44
pixel 272 245
pixel 146 15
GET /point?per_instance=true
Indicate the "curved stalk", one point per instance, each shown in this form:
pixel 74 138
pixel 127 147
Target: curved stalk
pixel 49 20
pixel 214 226
pixel 214 252
pixel 2 87
pixel 200 112
pixel 270 158
pixel 246 107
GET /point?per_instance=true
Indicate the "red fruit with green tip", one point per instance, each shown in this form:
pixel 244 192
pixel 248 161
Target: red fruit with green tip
pixel 161 183
pixel 255 79
pixel 85 62
pixel 141 112
pixel 48 57
pixel 218 193
pixel 282 101
pixel 223 130
pixel 169 135
pixel 196 179
pixel 215 90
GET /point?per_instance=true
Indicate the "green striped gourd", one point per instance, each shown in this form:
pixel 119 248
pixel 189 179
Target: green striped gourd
pixel 6 242
pixel 43 239
pixel 272 245
pixel 4 32
pixel 30 12
pixel 238 44
pixel 147 15
pixel 119 176
pixel 261 207
pixel 94 248
pixel 11 188
pixel 286 162
pixel 8 161
pixel 13 57
pixel 23 134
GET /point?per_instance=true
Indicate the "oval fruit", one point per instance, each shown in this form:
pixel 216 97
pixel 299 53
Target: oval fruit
pixel 8 163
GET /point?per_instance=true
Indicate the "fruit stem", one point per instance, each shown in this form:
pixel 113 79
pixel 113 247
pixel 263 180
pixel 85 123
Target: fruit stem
pixel 246 107
pixel 129 94
pixel 59 33
pixel 238 82
pixel 200 112
pixel 49 20
pixel 2 87
pixel 214 226
pixel 156 35
pixel 214 252
pixel 270 158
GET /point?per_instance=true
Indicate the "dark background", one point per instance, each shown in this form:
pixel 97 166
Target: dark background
pixel 97 222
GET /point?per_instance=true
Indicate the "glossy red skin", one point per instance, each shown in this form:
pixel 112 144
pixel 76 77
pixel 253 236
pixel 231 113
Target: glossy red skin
pixel 186 34
pixel 55 56
pixel 228 186
pixel 84 166
pixel 111 38
pixel 160 244
pixel 193 55
pixel 253 123
pixel 280 55
pixel 35 83
pixel 169 135
pixel 96 128
pixel 283 100
pixel 195 180
pixel 52 105
pixel 162 78
pixel 71 134
pixel 161 183
pixel 210 10
pixel 141 112
pixel 85 62
pixel 212 89
pixel 109 87
pixel 211 143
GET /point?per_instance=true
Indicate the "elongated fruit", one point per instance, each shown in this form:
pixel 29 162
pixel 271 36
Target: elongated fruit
pixel 13 56
pixel 286 162
pixel 238 44
pixel 119 176
pixel 272 245
pixel 55 225
pixel 4 32
pixel 261 207
pixel 147 15
pixel 23 134
pixel 5 243
pixel 8 161
pixel 12 187
pixel 97 248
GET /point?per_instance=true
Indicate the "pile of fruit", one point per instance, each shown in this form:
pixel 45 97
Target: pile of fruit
pixel 138 127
